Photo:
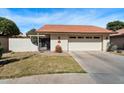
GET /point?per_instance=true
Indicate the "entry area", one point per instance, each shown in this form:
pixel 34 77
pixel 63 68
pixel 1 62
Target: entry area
pixel 44 43
pixel 85 43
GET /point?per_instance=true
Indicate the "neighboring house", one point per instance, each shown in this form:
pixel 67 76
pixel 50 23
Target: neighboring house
pixel 118 39
pixel 74 37
pixel 4 43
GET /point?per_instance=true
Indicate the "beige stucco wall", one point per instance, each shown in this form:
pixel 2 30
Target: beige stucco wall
pixel 4 43
pixel 54 39
pixel 21 45
pixel 98 45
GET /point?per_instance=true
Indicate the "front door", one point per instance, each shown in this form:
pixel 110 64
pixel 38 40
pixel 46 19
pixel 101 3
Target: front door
pixel 44 43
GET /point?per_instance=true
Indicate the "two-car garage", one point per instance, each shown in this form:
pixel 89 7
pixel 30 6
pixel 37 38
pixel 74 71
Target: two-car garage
pixel 85 43
pixel 77 37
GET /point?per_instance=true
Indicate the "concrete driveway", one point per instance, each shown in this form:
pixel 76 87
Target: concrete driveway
pixel 101 66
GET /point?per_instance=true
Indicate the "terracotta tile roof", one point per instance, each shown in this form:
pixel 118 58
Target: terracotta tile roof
pixel 72 28
pixel 119 33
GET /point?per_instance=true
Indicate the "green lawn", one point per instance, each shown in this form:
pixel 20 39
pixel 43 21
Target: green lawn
pixel 24 64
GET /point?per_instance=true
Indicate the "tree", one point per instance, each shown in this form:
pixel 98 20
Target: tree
pixel 8 27
pixel 115 25
pixel 31 32
pixel 34 38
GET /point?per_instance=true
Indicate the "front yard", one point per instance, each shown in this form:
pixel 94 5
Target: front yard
pixel 14 65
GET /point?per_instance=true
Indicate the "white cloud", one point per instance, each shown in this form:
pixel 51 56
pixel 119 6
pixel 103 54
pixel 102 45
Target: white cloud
pixel 87 17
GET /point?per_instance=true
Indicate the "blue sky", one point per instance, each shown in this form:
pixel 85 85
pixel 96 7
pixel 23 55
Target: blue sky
pixel 28 18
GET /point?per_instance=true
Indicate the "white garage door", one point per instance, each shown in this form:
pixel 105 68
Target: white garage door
pixel 87 43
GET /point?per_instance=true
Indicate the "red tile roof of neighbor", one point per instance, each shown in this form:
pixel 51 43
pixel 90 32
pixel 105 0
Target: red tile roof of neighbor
pixel 72 28
pixel 119 33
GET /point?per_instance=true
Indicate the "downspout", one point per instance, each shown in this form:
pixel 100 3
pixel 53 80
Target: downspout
pixel 102 42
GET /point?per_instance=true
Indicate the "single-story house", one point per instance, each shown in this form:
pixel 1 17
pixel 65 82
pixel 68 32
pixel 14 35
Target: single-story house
pixel 118 39
pixel 73 37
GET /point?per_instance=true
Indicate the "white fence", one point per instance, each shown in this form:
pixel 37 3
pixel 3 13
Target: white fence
pixel 21 45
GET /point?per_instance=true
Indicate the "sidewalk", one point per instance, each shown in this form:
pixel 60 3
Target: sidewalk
pixel 67 78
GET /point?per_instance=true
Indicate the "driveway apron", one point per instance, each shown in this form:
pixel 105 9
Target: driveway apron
pixel 101 66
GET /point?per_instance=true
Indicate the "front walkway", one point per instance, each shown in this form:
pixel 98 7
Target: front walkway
pixel 69 78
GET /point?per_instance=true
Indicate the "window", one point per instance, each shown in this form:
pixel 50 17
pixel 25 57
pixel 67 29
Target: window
pixel 80 37
pixel 73 37
pixel 88 37
pixel 95 37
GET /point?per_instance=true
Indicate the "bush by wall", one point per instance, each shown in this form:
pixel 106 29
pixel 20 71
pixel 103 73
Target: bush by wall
pixel 112 47
pixel 58 49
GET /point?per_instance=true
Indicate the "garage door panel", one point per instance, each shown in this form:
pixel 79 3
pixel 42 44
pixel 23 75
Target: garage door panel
pixel 85 44
pixel 84 40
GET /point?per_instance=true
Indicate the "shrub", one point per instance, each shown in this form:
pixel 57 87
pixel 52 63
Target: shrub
pixel 112 47
pixel 58 49
pixel 12 52
pixel 119 51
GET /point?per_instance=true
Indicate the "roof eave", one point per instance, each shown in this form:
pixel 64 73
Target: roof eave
pixel 76 32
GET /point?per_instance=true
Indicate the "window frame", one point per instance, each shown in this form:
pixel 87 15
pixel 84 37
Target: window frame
pixel 80 37
pixel 72 37
pixel 89 37
pixel 96 37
